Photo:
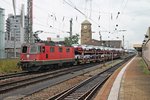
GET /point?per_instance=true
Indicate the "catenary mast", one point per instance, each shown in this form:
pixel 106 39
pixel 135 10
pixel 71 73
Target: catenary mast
pixel 29 37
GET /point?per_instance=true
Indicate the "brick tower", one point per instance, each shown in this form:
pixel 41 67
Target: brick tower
pixel 86 32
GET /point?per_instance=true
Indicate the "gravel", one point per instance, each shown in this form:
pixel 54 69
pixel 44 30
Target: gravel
pixel 48 92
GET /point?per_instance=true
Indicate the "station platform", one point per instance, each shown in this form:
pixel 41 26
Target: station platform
pixel 129 82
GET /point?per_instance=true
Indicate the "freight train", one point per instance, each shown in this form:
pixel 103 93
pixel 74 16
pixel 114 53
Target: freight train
pixel 37 56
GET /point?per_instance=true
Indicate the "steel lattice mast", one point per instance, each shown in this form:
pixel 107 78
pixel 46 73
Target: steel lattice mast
pixel 30 21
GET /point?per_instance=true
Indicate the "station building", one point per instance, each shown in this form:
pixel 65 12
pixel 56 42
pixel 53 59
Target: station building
pixel 138 48
pixel 146 48
pixel 86 37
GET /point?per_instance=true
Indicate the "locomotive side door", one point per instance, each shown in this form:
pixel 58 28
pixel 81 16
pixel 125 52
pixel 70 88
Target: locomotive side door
pixel 43 52
pixel 60 50
pixel 60 53
pixel 67 52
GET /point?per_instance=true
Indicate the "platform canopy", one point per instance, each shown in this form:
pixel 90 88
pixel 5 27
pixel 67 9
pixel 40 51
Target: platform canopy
pixel 138 47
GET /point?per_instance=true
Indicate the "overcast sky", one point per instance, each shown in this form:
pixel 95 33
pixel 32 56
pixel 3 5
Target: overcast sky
pixel 134 17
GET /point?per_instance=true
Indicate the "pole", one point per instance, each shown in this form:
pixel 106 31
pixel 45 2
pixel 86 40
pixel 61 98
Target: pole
pixel 112 58
pixel 103 54
pixel 14 42
pixel 100 36
pixel 71 27
pixel 14 7
pixel 123 42
pixel 30 20
pixel 22 25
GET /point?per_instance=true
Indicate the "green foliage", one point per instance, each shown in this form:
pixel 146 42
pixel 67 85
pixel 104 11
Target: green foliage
pixel 9 65
pixel 71 40
pixel 144 67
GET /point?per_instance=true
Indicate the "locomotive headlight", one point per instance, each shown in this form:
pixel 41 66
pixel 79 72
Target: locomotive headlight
pixel 28 56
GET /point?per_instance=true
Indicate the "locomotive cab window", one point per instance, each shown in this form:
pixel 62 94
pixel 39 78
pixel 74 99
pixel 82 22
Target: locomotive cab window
pixel 24 49
pixel 39 49
pixel 34 49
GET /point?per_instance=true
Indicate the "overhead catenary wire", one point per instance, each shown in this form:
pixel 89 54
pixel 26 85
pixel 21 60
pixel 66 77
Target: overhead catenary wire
pixel 70 3
pixel 73 6
pixel 55 19
pixel 63 18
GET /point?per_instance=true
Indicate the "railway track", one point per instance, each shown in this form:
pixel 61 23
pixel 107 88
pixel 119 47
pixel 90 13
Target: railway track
pixel 8 86
pixel 86 89
pixel 12 75
pixel 82 90
pixel 32 85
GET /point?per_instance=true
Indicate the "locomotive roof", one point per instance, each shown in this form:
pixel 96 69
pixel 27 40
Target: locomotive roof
pixel 50 43
pixel 47 43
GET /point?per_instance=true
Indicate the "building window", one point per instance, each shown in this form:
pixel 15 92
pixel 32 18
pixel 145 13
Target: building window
pixel 12 38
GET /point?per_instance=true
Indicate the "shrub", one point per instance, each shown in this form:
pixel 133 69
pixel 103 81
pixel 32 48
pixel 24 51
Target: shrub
pixel 9 65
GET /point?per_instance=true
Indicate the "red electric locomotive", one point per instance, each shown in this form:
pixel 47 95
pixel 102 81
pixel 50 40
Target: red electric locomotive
pixel 37 56
pixel 43 55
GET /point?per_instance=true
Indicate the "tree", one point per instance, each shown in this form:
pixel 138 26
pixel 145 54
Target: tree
pixel 72 40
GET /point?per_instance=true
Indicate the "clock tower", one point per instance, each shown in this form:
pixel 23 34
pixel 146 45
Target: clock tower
pixel 86 32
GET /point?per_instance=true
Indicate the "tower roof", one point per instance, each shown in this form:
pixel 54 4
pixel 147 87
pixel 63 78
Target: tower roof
pixel 85 22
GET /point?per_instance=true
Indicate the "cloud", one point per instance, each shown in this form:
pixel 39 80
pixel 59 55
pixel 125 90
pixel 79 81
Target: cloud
pixel 134 16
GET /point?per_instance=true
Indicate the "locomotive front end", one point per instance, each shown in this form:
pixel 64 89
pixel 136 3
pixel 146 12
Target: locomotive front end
pixel 30 54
